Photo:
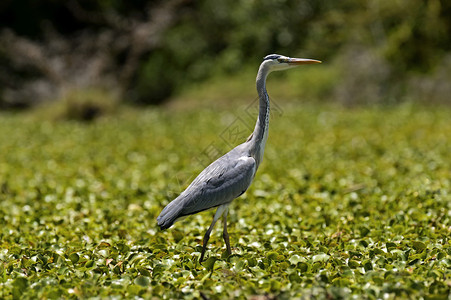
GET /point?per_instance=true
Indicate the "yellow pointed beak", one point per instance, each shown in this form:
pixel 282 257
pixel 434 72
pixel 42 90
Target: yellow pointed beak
pixel 303 61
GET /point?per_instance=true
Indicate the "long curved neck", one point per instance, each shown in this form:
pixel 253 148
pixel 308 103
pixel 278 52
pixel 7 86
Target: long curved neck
pixel 260 134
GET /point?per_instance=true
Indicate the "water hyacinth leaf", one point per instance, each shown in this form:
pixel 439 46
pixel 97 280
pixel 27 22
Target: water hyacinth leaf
pixel 376 251
pixel 441 254
pixel 367 265
pixel 323 249
pixel 89 264
pixel 294 278
pixel 122 247
pixel 353 264
pixel 418 246
pixel 74 258
pixel 117 270
pixel 42 258
pixel 158 270
pixel 240 265
pixel 272 255
pixel 390 246
pixel 252 262
pixel 210 263
pixel 303 267
pixel 177 235
pixel 414 261
pixel 103 245
pixel 294 259
pixel 322 257
pixel 134 289
pixel 363 243
pixel 275 285
pixel 364 231
pixel 144 272
pixel 142 281
pixel 189 264
pixel 341 282
pixel 20 283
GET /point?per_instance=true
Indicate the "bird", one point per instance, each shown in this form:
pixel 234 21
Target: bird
pixel 228 177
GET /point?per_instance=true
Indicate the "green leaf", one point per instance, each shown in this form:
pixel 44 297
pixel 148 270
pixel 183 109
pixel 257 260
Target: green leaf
pixel 134 289
pixel 89 264
pixel 74 258
pixel 142 281
pixel 353 264
pixel 158 270
pixel 209 263
pixel 177 235
pixel 364 231
pixel 144 272
pixel 272 255
pixel 294 278
pixel 390 246
pixel 252 262
pixel 21 283
pixel 367 265
pixel 418 246
pixel 294 259
pixel 303 267
pixel 414 261
pixel 322 257
pixel 240 265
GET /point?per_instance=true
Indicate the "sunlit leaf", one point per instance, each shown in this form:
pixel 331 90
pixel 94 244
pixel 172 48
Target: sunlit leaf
pixel 322 257
pixel 294 259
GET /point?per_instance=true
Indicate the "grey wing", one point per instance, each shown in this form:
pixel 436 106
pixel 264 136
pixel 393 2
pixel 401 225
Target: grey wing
pixel 221 182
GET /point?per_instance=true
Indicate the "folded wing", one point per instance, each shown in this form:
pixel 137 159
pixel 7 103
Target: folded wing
pixel 222 181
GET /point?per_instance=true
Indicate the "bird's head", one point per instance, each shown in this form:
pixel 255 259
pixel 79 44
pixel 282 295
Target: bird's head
pixel 276 62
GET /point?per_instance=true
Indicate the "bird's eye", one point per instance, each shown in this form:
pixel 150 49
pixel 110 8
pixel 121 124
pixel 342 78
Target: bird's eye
pixel 281 60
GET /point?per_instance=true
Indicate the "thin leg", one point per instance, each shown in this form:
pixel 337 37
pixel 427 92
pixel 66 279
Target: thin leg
pixel 218 214
pixel 225 234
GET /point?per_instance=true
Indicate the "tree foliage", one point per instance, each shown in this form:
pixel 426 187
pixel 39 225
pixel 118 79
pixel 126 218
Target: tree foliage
pixel 148 51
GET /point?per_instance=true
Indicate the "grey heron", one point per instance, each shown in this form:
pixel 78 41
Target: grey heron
pixel 229 176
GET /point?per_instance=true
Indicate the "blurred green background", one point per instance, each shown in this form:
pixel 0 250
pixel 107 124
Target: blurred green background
pixel 149 52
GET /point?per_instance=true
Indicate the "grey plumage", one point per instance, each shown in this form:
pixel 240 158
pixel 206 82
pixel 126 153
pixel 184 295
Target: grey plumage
pixel 221 182
pixel 230 175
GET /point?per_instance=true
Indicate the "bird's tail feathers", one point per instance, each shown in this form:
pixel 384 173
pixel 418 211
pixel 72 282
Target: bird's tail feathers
pixel 170 214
